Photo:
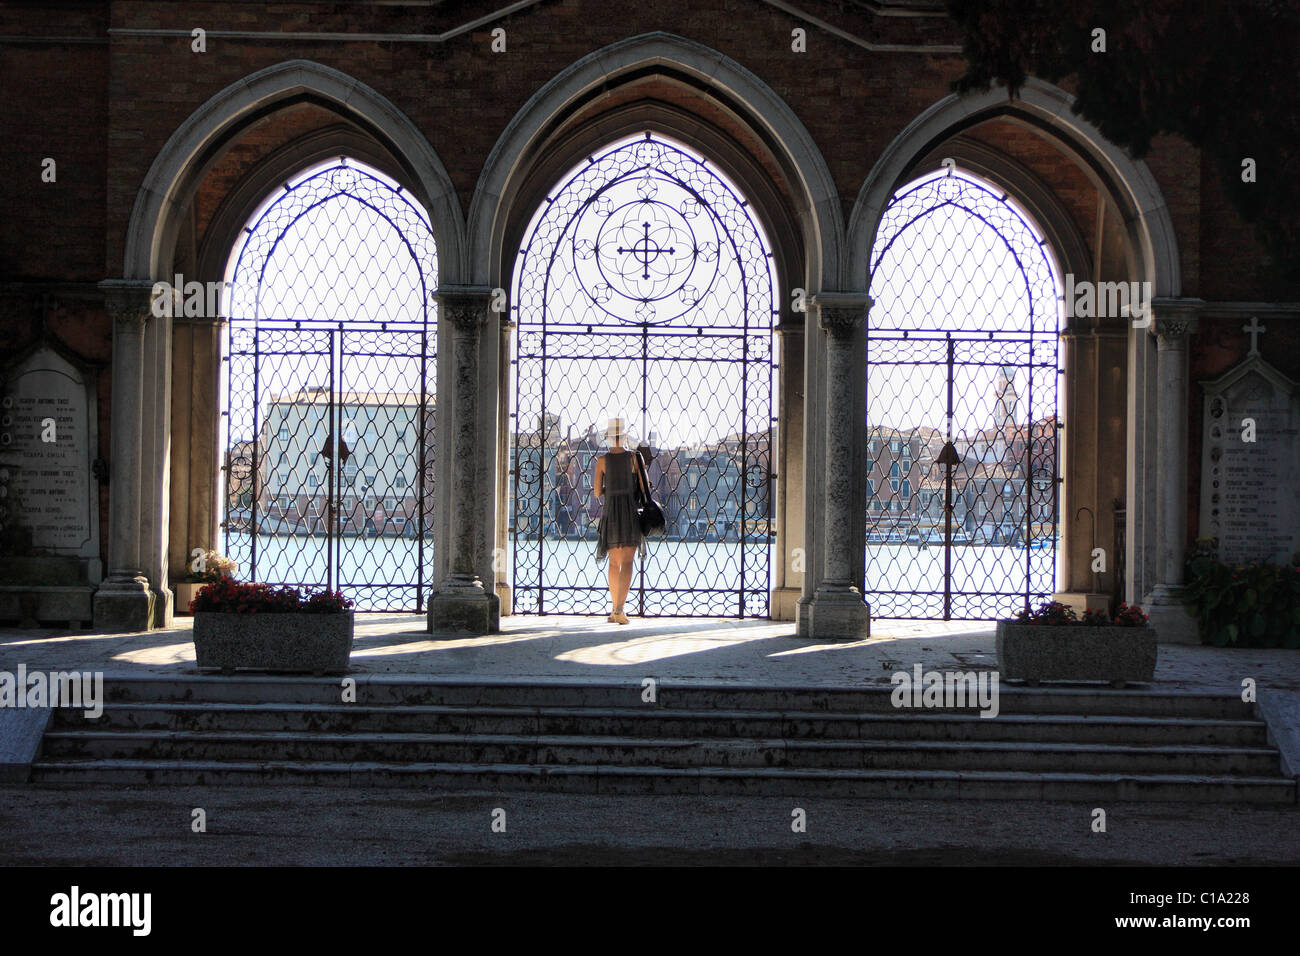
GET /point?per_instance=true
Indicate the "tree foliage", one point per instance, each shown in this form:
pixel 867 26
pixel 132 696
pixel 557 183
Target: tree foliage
pixel 1222 74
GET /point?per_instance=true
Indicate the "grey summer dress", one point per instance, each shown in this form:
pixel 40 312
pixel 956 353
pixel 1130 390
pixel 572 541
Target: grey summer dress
pixel 618 525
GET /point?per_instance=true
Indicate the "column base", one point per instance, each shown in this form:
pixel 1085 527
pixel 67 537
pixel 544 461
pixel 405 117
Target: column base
pixel 1172 619
pixel 784 603
pixel 461 609
pixel 124 604
pixel 803 617
pixel 164 607
pixel 505 599
pixel 838 613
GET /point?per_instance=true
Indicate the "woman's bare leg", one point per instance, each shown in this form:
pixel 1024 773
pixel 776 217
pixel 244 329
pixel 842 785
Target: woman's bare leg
pixel 620 574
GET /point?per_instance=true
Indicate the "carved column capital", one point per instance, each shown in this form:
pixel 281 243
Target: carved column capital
pixel 465 307
pixel 128 303
pixel 841 313
pixel 1175 320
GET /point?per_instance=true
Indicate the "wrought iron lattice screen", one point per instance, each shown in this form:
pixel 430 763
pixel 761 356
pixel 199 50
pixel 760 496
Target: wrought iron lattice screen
pixel 644 289
pixel 962 420
pixel 330 390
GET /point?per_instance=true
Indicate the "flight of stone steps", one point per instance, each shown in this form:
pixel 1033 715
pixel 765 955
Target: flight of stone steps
pixel 497 734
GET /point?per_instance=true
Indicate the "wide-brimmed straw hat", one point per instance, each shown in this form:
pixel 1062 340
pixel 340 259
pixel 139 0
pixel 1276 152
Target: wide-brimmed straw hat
pixel 617 428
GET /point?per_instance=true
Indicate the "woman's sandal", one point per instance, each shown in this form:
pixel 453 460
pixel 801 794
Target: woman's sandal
pixel 621 618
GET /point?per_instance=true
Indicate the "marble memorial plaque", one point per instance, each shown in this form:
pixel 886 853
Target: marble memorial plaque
pixel 47 442
pixel 1250 490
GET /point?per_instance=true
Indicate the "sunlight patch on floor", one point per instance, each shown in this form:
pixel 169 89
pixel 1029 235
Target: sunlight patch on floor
pixel 653 647
pixel 162 654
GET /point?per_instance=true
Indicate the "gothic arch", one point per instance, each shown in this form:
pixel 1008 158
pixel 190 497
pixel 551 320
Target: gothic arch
pixel 813 224
pixel 145 523
pixel 772 117
pixel 179 165
pixel 1128 181
pixel 1152 255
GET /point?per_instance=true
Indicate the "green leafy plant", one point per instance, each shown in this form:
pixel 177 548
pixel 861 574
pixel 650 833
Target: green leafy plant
pixel 1244 605
pixel 245 597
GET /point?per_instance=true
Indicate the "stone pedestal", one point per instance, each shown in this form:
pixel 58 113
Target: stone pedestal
pixel 461 604
pixel 1170 616
pixel 837 611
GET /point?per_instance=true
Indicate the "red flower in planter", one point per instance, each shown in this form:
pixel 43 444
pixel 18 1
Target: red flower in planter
pixel 244 597
pixel 1054 613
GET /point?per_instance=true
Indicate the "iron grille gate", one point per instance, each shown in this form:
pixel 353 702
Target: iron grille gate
pixel 977 537
pixel 644 290
pixel 330 424
pixel 961 406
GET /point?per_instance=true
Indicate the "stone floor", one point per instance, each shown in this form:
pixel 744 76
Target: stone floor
pixel 586 648
pixel 79 826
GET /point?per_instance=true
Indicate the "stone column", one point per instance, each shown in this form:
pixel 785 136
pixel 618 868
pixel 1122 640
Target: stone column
pixel 504 587
pixel 197 464
pixel 1174 321
pixel 461 604
pixel 124 601
pixel 837 610
pixel 788 463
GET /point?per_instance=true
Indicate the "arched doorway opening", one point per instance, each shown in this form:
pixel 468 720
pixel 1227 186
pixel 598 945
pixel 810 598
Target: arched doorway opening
pixel 329 389
pixel 962 407
pixel 644 288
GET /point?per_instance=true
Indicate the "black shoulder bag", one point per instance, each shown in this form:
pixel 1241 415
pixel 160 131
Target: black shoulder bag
pixel 649 513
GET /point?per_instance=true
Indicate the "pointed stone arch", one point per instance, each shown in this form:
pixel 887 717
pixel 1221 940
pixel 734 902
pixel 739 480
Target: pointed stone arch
pixel 713 71
pixel 1153 483
pixel 1127 180
pixel 179 164
pixel 136 593
pixel 819 232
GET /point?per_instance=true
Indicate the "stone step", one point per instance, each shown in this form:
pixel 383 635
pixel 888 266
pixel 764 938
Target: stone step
pixel 646 722
pixel 471 692
pixel 770 781
pixel 669 752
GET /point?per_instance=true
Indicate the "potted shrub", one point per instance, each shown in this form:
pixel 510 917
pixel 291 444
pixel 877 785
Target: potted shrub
pixel 1054 643
pixel 206 567
pixel 1244 605
pixel 238 624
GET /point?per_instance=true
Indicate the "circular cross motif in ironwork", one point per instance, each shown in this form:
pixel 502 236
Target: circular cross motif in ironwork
pixel 645 251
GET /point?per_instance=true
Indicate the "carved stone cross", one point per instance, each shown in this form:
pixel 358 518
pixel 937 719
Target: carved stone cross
pixel 1254 329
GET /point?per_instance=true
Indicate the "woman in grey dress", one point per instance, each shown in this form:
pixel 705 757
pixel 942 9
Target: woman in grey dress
pixel 619 534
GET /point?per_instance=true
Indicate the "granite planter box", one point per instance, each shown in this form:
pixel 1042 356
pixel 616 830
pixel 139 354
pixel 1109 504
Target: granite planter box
pixel 1076 652
pixel 292 643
